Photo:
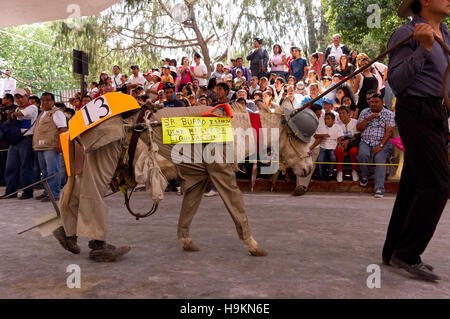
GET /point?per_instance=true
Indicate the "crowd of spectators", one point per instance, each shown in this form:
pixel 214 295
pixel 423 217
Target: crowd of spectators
pixel 353 121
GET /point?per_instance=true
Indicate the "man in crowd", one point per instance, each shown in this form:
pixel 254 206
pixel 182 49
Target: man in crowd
pixel 258 60
pixel 169 92
pixel 200 70
pixel 49 124
pixel 136 79
pixel 19 163
pixel 337 49
pixel 35 100
pixel 245 72
pixel 9 84
pixel 7 107
pixel 299 66
pixel 116 78
pixel 254 85
pixel 416 70
pixel 313 93
pixel 376 125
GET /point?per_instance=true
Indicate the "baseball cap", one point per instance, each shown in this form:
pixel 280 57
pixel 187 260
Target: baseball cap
pixel 21 92
pixel 238 70
pixel 148 73
pixel 165 67
pixel 173 69
pixel 226 67
pixel 328 100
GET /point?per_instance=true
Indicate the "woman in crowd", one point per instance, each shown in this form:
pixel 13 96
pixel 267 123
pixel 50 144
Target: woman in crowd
pixel 218 73
pixel 364 82
pixel 352 57
pixel 187 73
pixel 268 100
pixel 109 87
pixel 278 61
pixel 345 68
pixel 103 77
pixel 155 87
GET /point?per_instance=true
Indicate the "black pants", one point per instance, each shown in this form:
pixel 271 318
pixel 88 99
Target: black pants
pixel 424 183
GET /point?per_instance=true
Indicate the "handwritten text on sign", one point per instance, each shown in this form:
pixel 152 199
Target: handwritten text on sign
pixel 192 130
pixel 95 111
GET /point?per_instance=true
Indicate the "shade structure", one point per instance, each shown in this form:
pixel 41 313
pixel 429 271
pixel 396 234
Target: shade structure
pixel 33 11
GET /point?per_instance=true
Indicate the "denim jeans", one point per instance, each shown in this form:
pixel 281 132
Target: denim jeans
pixel 326 169
pixel 365 155
pixel 49 162
pixel 19 167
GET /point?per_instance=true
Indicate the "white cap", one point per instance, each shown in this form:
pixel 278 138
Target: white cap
pixel 21 92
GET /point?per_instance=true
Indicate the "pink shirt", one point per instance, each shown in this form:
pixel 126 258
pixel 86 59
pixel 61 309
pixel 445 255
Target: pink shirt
pixel 278 60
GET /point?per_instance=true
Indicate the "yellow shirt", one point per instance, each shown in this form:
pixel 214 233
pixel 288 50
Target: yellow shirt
pixel 167 78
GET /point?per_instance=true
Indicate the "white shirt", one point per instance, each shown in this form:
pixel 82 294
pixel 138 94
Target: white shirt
pixel 115 81
pixel 337 120
pixel 200 70
pixel 337 52
pixel 58 118
pixel 140 79
pixel 9 85
pixel 29 113
pixel 330 143
pixel 350 129
pixel 319 128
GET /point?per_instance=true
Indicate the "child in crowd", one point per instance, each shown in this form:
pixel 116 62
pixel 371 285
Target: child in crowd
pixel 331 135
pixel 349 143
pixel 166 75
pixel 238 80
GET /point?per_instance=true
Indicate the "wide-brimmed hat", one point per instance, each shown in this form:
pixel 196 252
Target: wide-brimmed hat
pixel 156 73
pixel 404 9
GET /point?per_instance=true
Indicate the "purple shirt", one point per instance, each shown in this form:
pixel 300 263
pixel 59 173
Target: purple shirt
pixel 414 71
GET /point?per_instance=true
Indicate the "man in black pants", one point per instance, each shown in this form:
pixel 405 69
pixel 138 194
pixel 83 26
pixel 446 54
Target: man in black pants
pixel 416 71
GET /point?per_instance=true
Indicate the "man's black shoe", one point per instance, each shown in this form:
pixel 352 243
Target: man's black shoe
pixel 26 197
pixel 4 196
pixel 419 270
pixel 42 196
pixel 387 262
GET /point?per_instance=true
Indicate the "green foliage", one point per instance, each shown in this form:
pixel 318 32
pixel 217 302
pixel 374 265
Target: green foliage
pixel 350 19
pixel 28 51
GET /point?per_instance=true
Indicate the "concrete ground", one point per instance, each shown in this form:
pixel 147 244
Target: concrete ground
pixel 319 245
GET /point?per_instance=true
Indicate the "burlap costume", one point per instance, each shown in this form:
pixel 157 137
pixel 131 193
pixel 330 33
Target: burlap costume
pixel 86 212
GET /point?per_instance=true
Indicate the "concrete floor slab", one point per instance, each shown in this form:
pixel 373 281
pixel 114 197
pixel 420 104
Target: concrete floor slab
pixel 319 245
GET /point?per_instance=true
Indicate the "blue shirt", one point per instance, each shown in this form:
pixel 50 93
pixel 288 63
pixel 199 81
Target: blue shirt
pixel 414 71
pixel 308 98
pixel 298 68
pixel 376 127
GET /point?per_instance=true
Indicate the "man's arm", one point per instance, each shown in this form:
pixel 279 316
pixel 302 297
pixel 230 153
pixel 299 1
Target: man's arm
pixel 265 58
pixel 364 120
pixel 327 53
pixel 252 54
pixel 406 61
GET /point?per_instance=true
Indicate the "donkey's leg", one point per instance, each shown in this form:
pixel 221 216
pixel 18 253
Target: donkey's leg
pixel 224 179
pixel 194 181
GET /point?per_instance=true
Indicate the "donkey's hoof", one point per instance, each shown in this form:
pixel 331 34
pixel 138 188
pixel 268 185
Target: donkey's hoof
pixel 188 245
pixel 258 252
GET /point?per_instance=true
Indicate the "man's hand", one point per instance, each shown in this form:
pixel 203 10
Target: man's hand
pixel 263 69
pixel 373 115
pixel 377 149
pixel 58 148
pixel 424 34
